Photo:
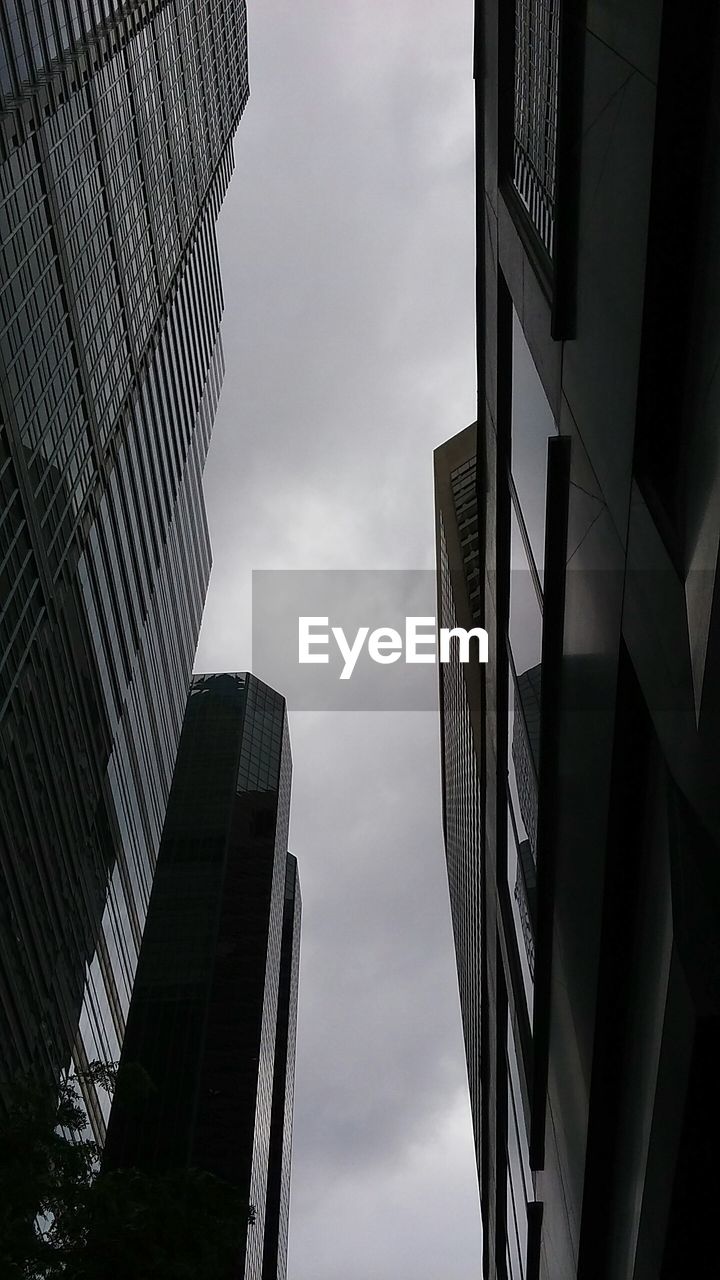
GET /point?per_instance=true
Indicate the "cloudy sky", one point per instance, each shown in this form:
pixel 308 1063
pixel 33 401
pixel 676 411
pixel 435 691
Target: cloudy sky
pixel 348 266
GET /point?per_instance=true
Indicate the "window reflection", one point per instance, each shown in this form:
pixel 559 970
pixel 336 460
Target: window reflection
pixel 525 608
pixel 532 424
pixel 524 689
pixel 517 854
pixel 520 1190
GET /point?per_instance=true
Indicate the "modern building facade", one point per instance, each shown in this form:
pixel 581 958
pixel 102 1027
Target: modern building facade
pixel 595 729
pixel 277 1200
pixel 459 582
pixel 214 1007
pixel 116 128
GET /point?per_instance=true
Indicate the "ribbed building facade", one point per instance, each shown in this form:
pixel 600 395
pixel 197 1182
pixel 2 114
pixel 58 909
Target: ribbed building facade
pixel 458 586
pixel 214 1008
pixel 595 961
pixel 115 152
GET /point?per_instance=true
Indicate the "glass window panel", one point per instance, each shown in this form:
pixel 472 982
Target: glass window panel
pixel 519 1178
pixel 532 424
pixel 525 611
pixel 516 854
pixel 516 1269
pixel 515 1101
pixel 524 691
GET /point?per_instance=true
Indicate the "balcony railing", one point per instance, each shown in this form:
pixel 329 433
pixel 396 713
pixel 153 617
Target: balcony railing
pixel 537 57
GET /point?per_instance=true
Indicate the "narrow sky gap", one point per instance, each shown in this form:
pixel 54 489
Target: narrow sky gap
pixel 347 249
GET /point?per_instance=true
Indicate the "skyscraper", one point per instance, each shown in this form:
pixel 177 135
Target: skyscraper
pixel 595 959
pixel 213 1013
pixel 458 586
pixel 115 151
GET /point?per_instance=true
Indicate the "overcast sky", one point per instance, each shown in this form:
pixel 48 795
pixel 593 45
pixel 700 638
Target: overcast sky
pixel 347 248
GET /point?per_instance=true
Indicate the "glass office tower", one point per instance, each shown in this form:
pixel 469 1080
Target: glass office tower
pixel 115 152
pixel 213 1013
pixel 595 958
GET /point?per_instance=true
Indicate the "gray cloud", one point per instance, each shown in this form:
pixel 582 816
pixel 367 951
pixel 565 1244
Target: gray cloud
pixel 347 245
pixel 419 1219
pixel 379 989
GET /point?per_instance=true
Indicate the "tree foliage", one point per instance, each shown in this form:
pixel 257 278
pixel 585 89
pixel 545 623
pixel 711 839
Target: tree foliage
pixel 63 1218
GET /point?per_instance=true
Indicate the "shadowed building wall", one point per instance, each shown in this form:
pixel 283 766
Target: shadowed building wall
pixel 596 956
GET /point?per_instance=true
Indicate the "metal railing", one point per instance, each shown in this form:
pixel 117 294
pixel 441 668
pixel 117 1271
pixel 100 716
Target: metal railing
pixel 537 58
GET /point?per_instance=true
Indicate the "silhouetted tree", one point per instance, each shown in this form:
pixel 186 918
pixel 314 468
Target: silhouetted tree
pixel 62 1218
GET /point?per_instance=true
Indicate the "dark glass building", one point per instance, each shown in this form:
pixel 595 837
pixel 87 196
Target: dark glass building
pixel 115 152
pixel 595 959
pixel 213 1012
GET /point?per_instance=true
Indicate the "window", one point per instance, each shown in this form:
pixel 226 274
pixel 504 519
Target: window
pixel 531 425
